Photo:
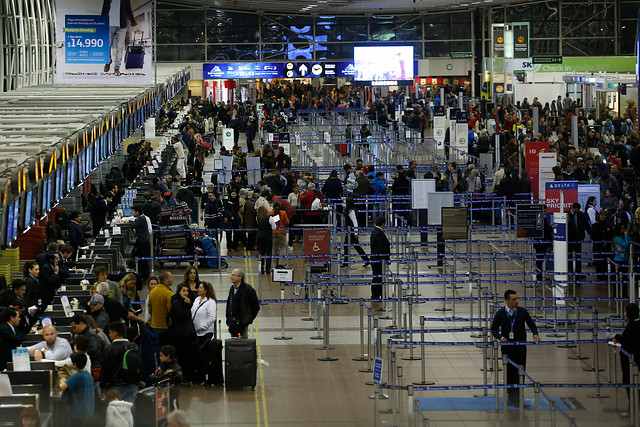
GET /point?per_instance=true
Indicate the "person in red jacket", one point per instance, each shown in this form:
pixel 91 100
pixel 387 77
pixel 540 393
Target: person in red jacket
pixel 306 199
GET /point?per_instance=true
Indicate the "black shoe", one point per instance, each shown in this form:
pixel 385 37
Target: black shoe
pixel 107 67
pixel 367 264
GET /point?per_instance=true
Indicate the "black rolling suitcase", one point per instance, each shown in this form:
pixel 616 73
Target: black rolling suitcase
pixel 212 360
pixel 240 363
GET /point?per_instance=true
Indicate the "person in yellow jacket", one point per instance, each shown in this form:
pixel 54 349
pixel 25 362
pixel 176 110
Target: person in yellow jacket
pixel 160 305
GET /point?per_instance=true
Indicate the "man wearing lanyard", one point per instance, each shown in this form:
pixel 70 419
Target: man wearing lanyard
pixel 507 326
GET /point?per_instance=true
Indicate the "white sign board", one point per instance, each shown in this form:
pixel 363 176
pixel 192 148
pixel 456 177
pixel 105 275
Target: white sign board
pixel 439 131
pixel 227 164
pixel 282 275
pixel 228 138
pixel 286 147
pixel 545 172
pixel 437 201
pixel 419 190
pixel 253 170
pixel 150 128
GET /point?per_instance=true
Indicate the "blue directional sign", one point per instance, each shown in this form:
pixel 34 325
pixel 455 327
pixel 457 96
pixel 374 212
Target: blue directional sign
pixel 377 369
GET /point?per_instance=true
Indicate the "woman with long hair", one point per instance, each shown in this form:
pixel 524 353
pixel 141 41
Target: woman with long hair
pixel 294 200
pixel 129 292
pixel 265 240
pixel 351 216
pixel 183 332
pixel 152 282
pixel 192 279
pixel 203 313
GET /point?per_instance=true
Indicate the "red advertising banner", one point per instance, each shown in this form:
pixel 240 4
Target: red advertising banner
pixel 533 150
pixel 552 193
pixel 316 242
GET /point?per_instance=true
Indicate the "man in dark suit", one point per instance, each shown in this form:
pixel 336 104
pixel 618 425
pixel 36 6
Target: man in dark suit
pixel 630 341
pixel 380 252
pixel 141 226
pixel 10 336
pixel 507 326
pixel 76 233
pixel 577 223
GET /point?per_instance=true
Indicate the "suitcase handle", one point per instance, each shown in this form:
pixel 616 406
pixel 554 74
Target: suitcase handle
pixel 141 35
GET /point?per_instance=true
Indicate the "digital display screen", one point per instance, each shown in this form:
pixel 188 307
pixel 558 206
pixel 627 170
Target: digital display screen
pixel 10 224
pixel 16 214
pixel 71 174
pixel 89 159
pixel 58 186
pixel 383 63
pixel 34 205
pixel 27 210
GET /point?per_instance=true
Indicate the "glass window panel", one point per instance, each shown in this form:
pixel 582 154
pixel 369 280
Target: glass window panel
pixel 334 29
pixel 170 53
pixel 543 28
pixel 232 27
pixel 395 28
pixel 497 15
pixel 342 51
pixel 629 9
pixel 283 28
pixel 460 30
pixel 274 51
pixel 180 26
pixel 627 45
pixel 444 48
pixel 236 52
pixel 601 47
pixel 437 31
pixel 519 13
pixel 545 47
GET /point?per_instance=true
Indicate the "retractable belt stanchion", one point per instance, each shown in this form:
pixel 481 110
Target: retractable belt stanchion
pixel 505 392
pixel 594 316
pixel 633 407
pixel 536 414
pixel 521 395
pixel 485 368
pixel 308 294
pixel 361 358
pixel 317 324
pixel 577 356
pixel 327 357
pixel 391 354
pixel 596 367
pixel 410 334
pixel 369 347
pixel 423 368
pixel 552 412
pixel 612 362
pixel 444 287
pixel 398 416
pixel 282 337
pixel 496 381
pixel 479 293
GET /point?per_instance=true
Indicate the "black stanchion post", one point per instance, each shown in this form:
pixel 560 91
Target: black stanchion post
pixel 612 363
pixel 485 368
pixel 552 412
pixel 361 357
pixel 318 326
pixel 496 381
pixel 398 416
pixel 634 411
pixel 521 396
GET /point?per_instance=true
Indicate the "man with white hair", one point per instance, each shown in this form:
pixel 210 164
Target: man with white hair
pixel 52 348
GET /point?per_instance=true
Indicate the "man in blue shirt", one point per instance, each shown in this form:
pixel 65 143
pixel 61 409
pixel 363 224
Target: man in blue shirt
pixel 82 390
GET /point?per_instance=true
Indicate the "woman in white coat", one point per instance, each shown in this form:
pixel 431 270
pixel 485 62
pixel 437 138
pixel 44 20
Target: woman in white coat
pixel 203 313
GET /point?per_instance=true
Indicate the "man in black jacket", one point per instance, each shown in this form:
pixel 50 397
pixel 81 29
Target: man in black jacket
pixel 242 305
pixel 507 326
pixel 380 252
pixel 10 336
pixel 143 242
pixel 79 327
pixel 76 233
pixel 114 376
pixel 577 224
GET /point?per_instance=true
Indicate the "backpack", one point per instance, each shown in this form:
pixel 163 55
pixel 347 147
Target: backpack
pixel 132 366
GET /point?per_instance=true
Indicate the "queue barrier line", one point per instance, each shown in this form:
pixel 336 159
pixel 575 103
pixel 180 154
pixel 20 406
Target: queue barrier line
pixel 433 331
pixel 488 343
pixel 506 386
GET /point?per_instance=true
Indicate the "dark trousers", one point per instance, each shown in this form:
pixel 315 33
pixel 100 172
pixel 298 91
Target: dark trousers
pixel 356 244
pixel 251 240
pixel 517 353
pixel 376 290
pixel 574 254
pixel 249 145
pixel 143 250
pixel 265 250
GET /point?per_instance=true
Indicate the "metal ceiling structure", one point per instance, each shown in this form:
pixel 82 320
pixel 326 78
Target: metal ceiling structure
pixel 333 7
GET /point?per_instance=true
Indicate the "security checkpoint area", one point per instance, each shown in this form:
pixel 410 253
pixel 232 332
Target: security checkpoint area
pixel 424 354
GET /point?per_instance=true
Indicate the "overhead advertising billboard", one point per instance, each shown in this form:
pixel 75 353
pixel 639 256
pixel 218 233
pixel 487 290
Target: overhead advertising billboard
pixel 104 42
pixel 387 64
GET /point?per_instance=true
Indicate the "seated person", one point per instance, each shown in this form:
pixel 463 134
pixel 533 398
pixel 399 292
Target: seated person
pixel 10 337
pixel 52 348
pixel 10 295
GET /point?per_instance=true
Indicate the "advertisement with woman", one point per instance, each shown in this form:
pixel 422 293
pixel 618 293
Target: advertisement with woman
pixel 103 42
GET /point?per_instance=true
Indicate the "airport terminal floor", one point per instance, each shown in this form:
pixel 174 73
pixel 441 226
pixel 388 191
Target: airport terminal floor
pixel 295 388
